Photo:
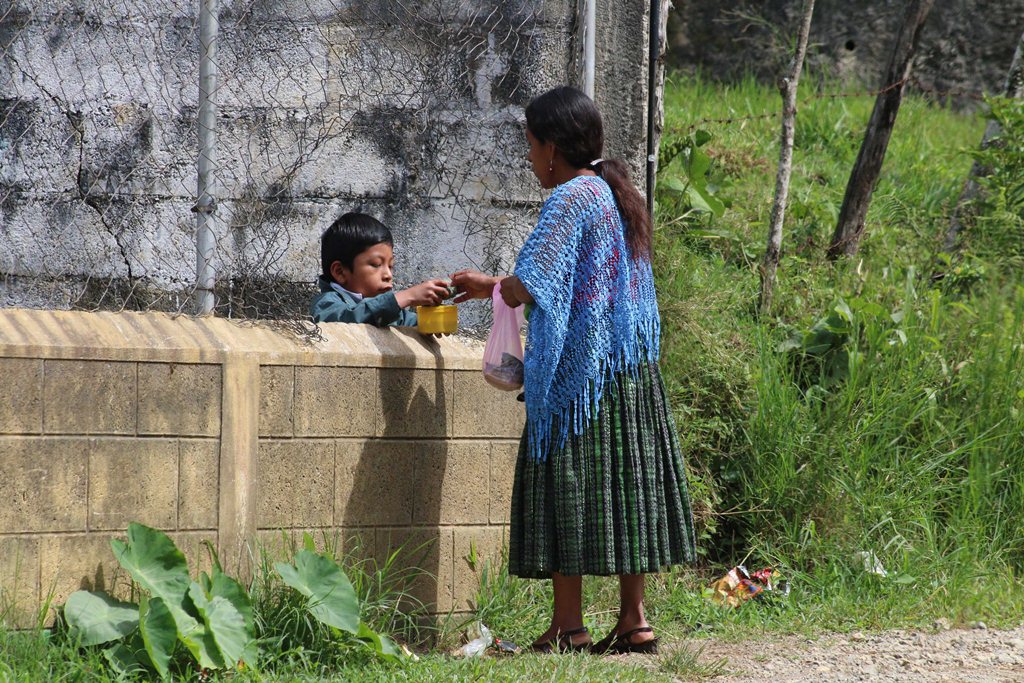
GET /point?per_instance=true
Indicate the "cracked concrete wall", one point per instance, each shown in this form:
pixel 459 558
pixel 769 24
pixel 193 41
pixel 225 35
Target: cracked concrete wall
pixel 411 112
pixel 966 46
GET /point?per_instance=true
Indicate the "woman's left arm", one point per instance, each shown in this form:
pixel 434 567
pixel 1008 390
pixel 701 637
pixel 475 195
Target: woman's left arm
pixel 514 292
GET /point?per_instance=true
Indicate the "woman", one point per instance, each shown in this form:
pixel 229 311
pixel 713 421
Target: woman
pixel 599 486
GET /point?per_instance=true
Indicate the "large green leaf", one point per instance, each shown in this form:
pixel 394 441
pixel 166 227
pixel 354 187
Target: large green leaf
pixel 251 656
pixel 223 622
pixel 675 183
pixel 228 627
pixel 697 165
pixel 153 560
pixel 226 587
pixel 128 656
pixel 203 647
pixel 98 618
pixel 223 586
pixel 701 137
pixel 384 647
pixel 200 642
pixel 159 633
pixel 196 636
pixel 702 200
pixel 332 600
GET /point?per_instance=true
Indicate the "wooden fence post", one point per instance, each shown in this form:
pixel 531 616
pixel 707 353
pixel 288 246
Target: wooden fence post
pixel 850 226
pixel 788 89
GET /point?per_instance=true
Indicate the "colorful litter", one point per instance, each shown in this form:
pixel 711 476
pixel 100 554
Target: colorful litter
pixel 739 585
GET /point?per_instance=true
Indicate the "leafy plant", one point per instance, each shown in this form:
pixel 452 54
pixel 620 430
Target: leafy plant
pixel 998 232
pixel 208 624
pixel 960 274
pixel 820 353
pixel 691 189
pixel 332 600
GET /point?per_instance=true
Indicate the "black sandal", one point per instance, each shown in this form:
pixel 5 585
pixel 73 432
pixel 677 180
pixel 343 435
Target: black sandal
pixel 620 643
pixel 563 643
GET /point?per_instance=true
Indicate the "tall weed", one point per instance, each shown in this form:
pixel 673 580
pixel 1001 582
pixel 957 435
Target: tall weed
pixel 996 229
pixel 905 438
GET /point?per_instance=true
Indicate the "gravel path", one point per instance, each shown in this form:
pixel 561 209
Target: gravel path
pixel 976 655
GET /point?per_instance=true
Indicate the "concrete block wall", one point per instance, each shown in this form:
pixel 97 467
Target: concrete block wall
pixel 410 111
pixel 242 434
pixel 966 46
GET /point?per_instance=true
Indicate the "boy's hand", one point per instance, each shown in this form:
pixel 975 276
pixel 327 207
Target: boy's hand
pixel 427 293
pixel 472 284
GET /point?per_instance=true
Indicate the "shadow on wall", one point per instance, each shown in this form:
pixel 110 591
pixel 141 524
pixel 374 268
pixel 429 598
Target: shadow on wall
pixel 397 479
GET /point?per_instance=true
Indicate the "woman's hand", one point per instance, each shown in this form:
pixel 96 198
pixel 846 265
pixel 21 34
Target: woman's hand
pixel 472 284
pixel 514 292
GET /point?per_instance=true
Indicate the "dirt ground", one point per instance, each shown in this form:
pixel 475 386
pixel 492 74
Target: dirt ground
pixel 974 655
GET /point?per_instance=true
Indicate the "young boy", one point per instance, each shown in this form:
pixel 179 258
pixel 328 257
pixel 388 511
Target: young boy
pixel 357 257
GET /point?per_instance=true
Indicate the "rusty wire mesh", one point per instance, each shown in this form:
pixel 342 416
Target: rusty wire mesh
pixel 410 111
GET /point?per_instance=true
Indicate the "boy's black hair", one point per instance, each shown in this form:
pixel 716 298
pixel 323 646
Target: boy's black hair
pixel 349 236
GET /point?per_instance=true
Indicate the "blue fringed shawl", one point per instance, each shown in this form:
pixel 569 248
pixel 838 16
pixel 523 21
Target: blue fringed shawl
pixel 595 310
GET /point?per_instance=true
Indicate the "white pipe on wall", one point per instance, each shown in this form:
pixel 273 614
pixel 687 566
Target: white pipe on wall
pixel 206 275
pixel 589 46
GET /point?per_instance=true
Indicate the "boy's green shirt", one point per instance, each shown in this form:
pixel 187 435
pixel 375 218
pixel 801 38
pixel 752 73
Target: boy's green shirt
pixel 331 306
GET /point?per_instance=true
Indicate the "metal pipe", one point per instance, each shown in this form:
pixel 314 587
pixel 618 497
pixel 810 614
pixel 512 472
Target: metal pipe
pixel 589 46
pixel 652 77
pixel 206 204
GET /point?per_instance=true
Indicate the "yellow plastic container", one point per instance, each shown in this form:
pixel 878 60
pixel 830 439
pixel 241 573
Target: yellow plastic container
pixel 442 319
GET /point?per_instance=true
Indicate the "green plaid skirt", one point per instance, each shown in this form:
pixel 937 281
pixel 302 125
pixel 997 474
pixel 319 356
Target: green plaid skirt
pixel 613 500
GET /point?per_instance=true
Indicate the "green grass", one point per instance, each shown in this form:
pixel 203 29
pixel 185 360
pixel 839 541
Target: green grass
pixel 33 656
pixel 512 670
pixel 916 455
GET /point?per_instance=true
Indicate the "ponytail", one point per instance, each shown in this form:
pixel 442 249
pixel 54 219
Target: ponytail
pixel 570 119
pixel 631 203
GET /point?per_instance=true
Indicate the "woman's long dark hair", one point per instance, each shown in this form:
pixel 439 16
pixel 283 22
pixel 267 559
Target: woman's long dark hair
pixel 570 119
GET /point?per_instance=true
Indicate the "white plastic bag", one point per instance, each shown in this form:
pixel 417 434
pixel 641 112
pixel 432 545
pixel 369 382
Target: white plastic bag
pixel 481 639
pixel 503 355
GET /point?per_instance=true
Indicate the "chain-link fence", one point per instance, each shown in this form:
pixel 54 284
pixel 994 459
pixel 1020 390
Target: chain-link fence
pixel 410 111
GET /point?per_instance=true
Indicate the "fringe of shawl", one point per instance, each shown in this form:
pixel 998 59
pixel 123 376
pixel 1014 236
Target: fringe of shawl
pixel 547 433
